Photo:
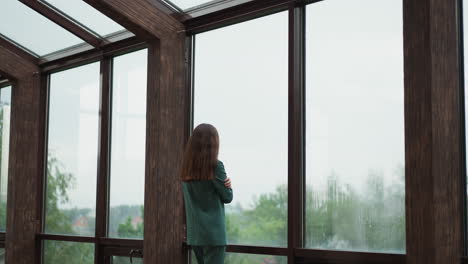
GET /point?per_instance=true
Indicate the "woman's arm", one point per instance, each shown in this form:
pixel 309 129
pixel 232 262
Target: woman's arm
pixel 224 192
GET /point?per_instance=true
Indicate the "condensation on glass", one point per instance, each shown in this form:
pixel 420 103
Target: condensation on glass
pixel 128 145
pixel 87 15
pixel 72 151
pixel 355 126
pixel 241 87
pixel 5 110
pixel 60 252
pixel 33 31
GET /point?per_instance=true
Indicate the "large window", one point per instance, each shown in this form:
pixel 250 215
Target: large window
pixel 241 87
pixel 128 145
pixel 354 126
pixel 96 159
pixel 72 151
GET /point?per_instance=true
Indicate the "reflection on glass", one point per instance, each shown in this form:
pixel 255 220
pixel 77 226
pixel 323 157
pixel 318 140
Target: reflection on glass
pixel 239 258
pixel 5 104
pixel 60 252
pixel 355 126
pixel 33 31
pixel 87 15
pixel 241 88
pixel 72 151
pixel 126 260
pixel 128 145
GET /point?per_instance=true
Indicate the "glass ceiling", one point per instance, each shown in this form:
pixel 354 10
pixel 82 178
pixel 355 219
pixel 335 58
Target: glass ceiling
pixel 41 36
pixel 33 31
pixel 86 15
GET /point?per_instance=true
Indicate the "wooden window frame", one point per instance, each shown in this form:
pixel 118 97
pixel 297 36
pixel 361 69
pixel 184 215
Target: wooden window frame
pixel 105 247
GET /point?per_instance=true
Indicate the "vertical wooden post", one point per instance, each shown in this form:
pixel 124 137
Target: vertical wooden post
pixel 432 132
pixel 25 157
pixel 167 126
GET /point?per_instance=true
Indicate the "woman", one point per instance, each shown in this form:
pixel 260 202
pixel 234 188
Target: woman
pixel 206 189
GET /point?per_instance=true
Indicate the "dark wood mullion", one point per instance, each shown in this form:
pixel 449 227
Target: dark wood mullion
pixel 64 22
pixel 42 162
pixel 54 237
pixel 296 122
pixel 274 251
pixel 117 242
pixel 463 173
pixel 345 257
pixel 43 156
pixel 103 177
pixel 118 251
pixel 2 239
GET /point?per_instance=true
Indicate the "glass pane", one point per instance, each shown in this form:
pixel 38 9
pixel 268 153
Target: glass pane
pixel 72 151
pixel 128 145
pixel 33 31
pixel 60 252
pixel 240 258
pixel 355 126
pixel 87 15
pixel 241 87
pixel 2 256
pixel 5 104
pixel 126 260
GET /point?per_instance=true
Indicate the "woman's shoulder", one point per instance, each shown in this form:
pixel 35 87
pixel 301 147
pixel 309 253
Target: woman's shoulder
pixel 219 165
pixel 220 172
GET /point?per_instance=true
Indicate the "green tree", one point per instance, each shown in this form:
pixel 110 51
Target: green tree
pixel 59 183
pixel 128 230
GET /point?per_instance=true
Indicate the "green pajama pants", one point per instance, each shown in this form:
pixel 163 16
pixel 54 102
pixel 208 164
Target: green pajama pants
pixel 209 254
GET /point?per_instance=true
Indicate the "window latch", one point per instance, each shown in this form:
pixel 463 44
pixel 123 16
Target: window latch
pixel 136 253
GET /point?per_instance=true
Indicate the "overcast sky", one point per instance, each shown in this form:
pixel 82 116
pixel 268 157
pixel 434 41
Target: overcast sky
pixel 354 95
pixel 354 100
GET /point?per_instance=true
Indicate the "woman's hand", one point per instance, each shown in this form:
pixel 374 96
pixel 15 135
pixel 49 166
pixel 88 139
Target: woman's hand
pixel 227 183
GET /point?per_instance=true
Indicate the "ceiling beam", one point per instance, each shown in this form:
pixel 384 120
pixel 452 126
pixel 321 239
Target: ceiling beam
pixel 14 66
pixel 64 22
pixel 13 48
pixel 140 17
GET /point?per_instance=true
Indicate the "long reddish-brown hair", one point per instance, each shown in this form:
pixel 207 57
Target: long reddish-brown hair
pixel 201 154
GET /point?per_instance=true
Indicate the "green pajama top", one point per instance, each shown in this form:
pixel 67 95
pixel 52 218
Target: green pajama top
pixel 204 209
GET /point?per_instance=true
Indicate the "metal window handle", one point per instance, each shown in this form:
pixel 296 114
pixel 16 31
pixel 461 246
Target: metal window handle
pixel 135 252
